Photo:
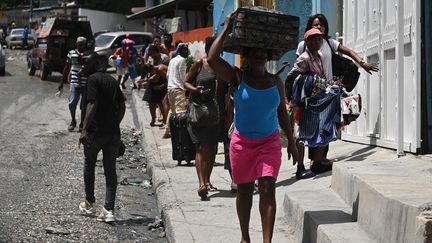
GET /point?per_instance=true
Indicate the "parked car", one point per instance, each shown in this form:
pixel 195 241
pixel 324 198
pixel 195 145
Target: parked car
pixel 107 43
pixel 2 61
pixel 15 39
pixel 95 34
pixel 55 40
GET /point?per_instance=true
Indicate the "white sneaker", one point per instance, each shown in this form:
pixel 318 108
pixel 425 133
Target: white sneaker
pixel 86 207
pixel 106 216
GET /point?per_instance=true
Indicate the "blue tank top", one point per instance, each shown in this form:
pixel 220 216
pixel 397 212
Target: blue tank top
pixel 256 111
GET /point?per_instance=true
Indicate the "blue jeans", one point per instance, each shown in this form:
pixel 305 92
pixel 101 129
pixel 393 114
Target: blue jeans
pixel 74 97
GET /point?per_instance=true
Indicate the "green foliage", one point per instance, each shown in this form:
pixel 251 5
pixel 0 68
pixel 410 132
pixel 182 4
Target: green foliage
pixel 9 3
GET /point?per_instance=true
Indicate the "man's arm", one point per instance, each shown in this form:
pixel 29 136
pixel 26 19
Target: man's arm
pixel 122 111
pixel 90 112
pixel 64 79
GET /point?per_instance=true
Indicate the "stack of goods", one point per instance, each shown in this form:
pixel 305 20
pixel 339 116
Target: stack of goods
pixel 258 27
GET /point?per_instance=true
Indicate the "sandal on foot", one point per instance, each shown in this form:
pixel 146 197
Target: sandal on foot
pixel 202 191
pixel 211 188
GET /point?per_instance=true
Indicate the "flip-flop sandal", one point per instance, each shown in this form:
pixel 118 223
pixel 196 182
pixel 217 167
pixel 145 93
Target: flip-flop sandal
pixel 203 191
pixel 211 188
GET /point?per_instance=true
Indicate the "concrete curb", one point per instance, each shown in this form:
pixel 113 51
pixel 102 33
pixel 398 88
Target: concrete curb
pixel 167 200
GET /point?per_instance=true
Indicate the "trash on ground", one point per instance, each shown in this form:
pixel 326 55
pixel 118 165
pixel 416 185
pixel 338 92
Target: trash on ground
pixel 146 184
pixel 57 231
pixel 158 223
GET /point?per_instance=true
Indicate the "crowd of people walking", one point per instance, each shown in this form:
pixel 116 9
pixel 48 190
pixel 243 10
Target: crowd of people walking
pixel 247 109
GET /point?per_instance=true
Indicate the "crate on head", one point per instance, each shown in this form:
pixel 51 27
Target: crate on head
pixel 259 27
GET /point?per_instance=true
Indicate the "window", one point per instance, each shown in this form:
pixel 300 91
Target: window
pixel 141 39
pixel 263 3
pixel 103 40
pixel 118 41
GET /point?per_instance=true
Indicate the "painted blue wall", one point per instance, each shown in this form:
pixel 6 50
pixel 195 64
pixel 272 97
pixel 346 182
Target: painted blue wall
pixel 301 9
pixel 332 9
pixel 221 8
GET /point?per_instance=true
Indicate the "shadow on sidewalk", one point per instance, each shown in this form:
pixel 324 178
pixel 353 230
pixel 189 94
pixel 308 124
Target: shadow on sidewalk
pixel 223 193
pixel 286 182
pixel 358 155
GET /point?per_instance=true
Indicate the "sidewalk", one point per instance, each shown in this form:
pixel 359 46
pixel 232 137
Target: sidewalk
pixel 188 219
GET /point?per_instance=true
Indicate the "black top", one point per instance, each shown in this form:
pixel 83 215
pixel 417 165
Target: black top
pixel 208 81
pixel 105 92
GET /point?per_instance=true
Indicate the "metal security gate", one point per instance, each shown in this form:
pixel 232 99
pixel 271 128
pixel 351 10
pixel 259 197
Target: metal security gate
pixel 391 98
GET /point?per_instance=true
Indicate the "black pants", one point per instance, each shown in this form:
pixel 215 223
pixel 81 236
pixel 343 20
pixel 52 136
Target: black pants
pixel 109 144
pixel 312 151
pixel 83 105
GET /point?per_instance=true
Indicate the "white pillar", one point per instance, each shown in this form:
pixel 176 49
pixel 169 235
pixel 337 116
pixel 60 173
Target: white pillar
pixel 400 75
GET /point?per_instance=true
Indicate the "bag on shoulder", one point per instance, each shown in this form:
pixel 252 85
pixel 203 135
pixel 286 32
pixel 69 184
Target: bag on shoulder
pixel 203 115
pixel 344 68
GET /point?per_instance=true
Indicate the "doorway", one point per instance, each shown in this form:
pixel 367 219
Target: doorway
pixel 426 77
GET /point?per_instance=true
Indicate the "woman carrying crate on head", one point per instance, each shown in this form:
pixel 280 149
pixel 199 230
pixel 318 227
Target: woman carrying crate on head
pixel 255 149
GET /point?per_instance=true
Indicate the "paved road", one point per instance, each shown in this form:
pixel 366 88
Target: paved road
pixel 41 164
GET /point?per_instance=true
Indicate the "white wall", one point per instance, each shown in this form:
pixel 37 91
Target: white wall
pixel 370 28
pixel 100 20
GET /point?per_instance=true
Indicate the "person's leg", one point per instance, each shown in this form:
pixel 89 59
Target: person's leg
pixel 162 117
pixel 267 206
pixel 83 106
pixel 326 150
pixel 125 78
pixel 243 206
pixel 300 149
pixel 90 155
pixel 318 153
pixel 200 169
pixel 318 166
pixel 165 109
pixel 180 101
pixel 152 108
pixel 74 96
pixel 110 152
pixel 301 172
pixel 171 99
pixel 209 154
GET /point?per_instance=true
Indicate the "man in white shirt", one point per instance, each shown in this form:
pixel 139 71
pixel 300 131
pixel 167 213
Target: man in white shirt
pixel 176 75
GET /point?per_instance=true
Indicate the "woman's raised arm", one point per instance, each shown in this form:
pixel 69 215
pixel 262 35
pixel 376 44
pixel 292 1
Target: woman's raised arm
pixel 222 68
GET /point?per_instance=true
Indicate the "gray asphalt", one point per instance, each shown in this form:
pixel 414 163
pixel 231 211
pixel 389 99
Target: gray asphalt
pixel 41 165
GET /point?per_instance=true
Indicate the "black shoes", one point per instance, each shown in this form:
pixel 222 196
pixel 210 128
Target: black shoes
pixel 302 173
pixel 318 167
pixel 72 126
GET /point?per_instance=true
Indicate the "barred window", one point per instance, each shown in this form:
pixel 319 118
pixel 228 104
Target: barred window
pixel 263 3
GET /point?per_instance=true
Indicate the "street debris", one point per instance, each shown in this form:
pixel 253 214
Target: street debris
pixel 57 231
pixel 157 224
pixel 146 184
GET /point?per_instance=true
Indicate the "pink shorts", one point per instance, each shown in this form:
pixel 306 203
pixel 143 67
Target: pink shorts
pixel 252 159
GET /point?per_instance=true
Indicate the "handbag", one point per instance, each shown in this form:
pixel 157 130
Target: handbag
pixel 203 114
pixel 351 108
pixel 344 69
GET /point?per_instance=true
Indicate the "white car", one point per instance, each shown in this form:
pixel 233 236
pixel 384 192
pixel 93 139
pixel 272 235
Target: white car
pixel 107 43
pixel 15 38
pixel 2 61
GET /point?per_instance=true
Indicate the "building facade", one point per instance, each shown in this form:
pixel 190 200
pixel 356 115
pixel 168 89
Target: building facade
pixel 397 101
